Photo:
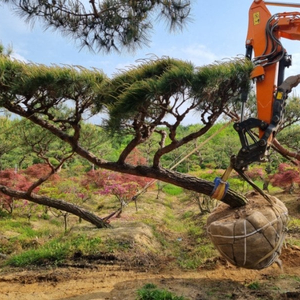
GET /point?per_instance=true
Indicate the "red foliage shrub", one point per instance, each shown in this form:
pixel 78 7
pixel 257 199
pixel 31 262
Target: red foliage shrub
pixel 15 181
pixel 256 173
pixel 286 177
pixel 122 186
pixel 37 171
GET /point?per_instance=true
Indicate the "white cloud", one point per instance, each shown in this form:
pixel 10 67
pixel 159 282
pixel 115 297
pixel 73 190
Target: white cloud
pixel 199 54
pixel 294 69
pixel 17 56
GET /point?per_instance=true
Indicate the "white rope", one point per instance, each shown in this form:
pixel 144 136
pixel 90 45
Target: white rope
pixel 245 243
pixel 246 235
pixel 272 255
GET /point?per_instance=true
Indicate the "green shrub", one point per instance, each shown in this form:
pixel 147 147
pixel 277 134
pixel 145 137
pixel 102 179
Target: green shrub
pixel 150 292
pixel 4 214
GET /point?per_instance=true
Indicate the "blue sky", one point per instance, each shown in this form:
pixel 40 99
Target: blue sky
pixel 217 31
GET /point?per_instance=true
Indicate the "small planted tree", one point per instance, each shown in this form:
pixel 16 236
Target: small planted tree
pixel 204 203
pixel 14 180
pixel 68 189
pixel 123 187
pixel 256 173
pixel 286 177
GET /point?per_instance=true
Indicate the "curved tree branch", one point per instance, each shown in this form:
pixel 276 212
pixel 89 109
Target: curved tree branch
pixel 138 98
pixel 55 203
pixel 285 152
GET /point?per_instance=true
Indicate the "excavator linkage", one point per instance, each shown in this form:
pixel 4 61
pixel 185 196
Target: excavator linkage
pixel 270 61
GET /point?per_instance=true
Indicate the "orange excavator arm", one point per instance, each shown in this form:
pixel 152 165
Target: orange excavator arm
pixel 270 60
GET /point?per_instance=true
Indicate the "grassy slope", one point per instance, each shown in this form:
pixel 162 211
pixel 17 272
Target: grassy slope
pixel 166 230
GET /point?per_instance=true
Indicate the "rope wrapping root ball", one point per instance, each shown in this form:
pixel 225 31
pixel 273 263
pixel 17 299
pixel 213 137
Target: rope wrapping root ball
pixel 250 236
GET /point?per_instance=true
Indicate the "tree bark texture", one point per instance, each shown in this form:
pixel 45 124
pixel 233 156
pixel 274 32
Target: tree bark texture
pixel 192 183
pixel 58 204
pixel 137 103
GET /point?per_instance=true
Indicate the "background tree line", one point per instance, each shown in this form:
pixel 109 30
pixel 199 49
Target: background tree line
pixel 27 155
pixel 144 106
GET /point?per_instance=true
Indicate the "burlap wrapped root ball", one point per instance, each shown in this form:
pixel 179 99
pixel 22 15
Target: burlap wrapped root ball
pixel 250 236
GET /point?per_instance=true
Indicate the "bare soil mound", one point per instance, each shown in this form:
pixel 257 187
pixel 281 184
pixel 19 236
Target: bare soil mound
pixel 214 280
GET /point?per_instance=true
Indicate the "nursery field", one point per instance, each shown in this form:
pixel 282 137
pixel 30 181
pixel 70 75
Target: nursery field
pixel 163 245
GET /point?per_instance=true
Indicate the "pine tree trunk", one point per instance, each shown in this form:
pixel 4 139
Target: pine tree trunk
pixel 185 181
pixel 58 204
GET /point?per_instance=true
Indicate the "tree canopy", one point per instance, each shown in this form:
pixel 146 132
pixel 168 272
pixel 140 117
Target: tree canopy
pixel 137 102
pixel 109 25
pixel 145 104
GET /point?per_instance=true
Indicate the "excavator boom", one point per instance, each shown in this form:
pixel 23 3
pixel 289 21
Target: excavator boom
pixel 270 59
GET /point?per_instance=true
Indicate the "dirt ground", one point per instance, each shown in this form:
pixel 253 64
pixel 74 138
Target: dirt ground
pixel 214 280
pixel 110 279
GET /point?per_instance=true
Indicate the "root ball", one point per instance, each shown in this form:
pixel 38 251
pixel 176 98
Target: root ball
pixel 250 236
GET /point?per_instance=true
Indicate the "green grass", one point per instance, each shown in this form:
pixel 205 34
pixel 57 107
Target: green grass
pixel 293 277
pixel 180 233
pixel 293 226
pixel 172 190
pixel 4 214
pixel 22 228
pixel 188 262
pixel 151 292
pixel 294 223
pixel 112 245
pixel 55 251
pixel 255 285
pixel 172 222
pixel 11 224
pixel 195 256
pixel 22 235
pixel 184 238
